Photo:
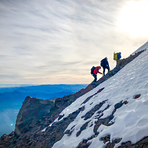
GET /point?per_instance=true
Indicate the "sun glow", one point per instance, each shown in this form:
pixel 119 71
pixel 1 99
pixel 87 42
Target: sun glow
pixel 133 18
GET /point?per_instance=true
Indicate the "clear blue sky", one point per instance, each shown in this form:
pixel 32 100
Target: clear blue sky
pixel 58 41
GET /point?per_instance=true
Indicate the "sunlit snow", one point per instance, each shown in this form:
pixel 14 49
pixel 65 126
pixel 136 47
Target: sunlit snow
pixel 130 120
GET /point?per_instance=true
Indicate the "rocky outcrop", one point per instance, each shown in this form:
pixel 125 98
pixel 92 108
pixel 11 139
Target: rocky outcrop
pixel 32 110
pixel 36 114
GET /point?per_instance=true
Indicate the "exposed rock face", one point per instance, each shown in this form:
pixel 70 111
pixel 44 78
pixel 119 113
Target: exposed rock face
pixel 36 114
pixel 32 110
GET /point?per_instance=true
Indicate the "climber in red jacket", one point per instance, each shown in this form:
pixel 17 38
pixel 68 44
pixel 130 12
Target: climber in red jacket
pixel 96 70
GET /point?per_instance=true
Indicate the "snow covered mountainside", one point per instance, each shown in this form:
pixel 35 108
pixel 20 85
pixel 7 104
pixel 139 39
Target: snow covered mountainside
pixel 123 102
pixel 143 47
pixel 110 113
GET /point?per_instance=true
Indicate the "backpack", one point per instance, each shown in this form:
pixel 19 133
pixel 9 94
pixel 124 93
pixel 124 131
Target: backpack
pixel 92 69
pixel 115 56
pixel 119 55
pixel 104 62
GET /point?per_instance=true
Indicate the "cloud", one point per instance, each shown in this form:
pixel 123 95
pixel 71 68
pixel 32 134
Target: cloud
pixel 42 41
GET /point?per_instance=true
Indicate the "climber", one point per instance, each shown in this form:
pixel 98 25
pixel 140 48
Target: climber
pixel 105 65
pixel 94 71
pixel 117 57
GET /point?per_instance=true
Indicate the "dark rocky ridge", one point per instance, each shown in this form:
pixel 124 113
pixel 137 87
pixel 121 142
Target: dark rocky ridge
pixel 36 114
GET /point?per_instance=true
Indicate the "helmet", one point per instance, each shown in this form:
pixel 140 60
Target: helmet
pixel 99 67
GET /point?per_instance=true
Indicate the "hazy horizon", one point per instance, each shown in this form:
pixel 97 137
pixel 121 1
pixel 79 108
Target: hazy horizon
pixel 11 99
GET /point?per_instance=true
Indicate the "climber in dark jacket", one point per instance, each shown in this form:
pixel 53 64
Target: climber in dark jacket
pixel 95 71
pixel 105 65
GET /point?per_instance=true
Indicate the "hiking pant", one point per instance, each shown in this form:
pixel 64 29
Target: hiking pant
pixel 118 62
pixel 107 67
pixel 95 77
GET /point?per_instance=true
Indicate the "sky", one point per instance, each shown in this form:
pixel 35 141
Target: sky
pixel 58 41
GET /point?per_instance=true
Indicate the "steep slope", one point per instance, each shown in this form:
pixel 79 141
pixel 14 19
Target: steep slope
pixel 118 113
pixel 94 116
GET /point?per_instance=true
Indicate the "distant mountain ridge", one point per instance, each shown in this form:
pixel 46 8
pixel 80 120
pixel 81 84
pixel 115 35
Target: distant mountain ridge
pixel 91 117
pixel 39 91
pixel 11 99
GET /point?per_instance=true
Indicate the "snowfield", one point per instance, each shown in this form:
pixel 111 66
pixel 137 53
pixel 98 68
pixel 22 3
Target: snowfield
pixel 124 98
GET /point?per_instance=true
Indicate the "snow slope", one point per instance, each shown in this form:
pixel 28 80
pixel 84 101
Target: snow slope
pixel 145 46
pixel 129 122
